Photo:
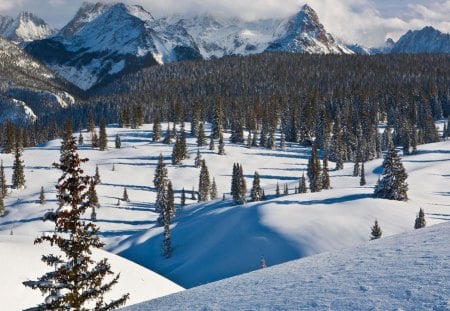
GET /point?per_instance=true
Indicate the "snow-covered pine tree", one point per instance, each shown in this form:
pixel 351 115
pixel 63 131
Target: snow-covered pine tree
pixel 392 185
pixel 234 177
pixel 213 192
pixel 277 190
pixel 160 181
pixel 156 128
pixel 118 142
pixel 201 138
pixel 171 199
pixel 167 138
pixel 217 127
pixel 18 177
pixel 221 145
pixel 176 152
pixel 183 144
pixel 356 171
pixel 103 137
pixel 125 195
pixel 92 195
pixel 376 231
pixel 362 180
pixel 76 281
pixel 94 139
pixel 420 220
pixel 302 184
pixel 241 187
pixel 325 175
pixel 42 196
pixel 286 189
pixel 97 178
pixel 204 184
pixel 314 171
pixel 256 191
pixel 198 159
pixel 3 186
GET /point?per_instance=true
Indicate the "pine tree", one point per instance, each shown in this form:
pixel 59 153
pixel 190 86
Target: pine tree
pixel 18 177
pixel 325 175
pixel 160 181
pixel 201 138
pixel 183 198
pixel 118 142
pixel 217 127
pixel 213 192
pixel 314 172
pixel 92 195
pixel 125 195
pixel 277 190
pixel 2 205
pixel 156 129
pixel 171 199
pixel 221 145
pixel 256 191
pixel 362 181
pixel 76 279
pixel 80 139
pixel 356 171
pixel 3 186
pixel 376 231
pixel 183 144
pixel 97 175
pixel 204 186
pixel 242 187
pixel 176 152
pixel 211 142
pixel 302 184
pixel 198 159
pixel 167 138
pixel 420 220
pixel 393 184
pixel 42 200
pixel 286 189
pixel 94 139
pixel 103 138
pixel 282 140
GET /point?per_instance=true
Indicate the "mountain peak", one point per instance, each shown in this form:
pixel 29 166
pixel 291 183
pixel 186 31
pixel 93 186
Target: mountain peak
pixel 425 40
pixel 25 27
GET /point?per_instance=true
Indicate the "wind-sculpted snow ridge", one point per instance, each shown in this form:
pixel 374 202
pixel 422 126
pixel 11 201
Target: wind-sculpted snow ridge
pixel 405 272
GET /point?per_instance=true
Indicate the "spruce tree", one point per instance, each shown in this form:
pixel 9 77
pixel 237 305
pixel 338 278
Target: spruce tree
pixel 3 186
pixel 201 138
pixel 302 184
pixel 376 231
pixel 198 159
pixel 125 195
pixel 286 189
pixel 356 171
pixel 42 200
pixel 94 139
pixel 393 184
pixel 156 129
pixel 118 142
pixel 217 127
pixel 204 185
pixel 211 142
pixel 183 198
pixel 167 138
pixel 221 145
pixel 80 139
pixel 420 220
pixel 277 190
pixel 103 138
pixel 183 151
pixel 160 181
pixel 176 152
pixel 325 175
pixel 171 199
pixel 242 187
pixel 213 192
pixel 2 205
pixel 256 191
pixel 92 195
pixel 97 175
pixel 18 177
pixel 314 171
pixel 362 181
pixel 76 281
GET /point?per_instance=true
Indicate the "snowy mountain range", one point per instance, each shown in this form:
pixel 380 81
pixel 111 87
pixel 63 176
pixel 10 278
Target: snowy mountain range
pixel 104 40
pixel 25 27
pixel 426 40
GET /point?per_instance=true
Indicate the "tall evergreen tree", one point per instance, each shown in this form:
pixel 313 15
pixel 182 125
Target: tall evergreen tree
pixel 3 186
pixel 420 220
pixel 125 195
pixel 18 177
pixel 171 198
pixel 302 184
pixel 160 182
pixel 211 142
pixel 103 137
pixel 198 159
pixel 277 190
pixel 242 187
pixel 217 127
pixel 356 170
pixel 183 198
pixel 97 175
pixel 221 145
pixel 118 142
pixel 213 192
pixel 76 280
pixel 362 181
pixel 201 138
pixel 183 144
pixel 393 184
pixel 176 152
pixel 167 138
pixel 94 139
pixel 376 231
pixel 314 171
pixel 286 189
pixel 42 196
pixel 256 191
pixel 156 128
pixel 325 175
pixel 2 205
pixel 204 184
pixel 80 139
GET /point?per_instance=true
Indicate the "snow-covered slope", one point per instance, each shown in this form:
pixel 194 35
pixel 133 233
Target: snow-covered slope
pixel 405 272
pixel 103 40
pixel 24 28
pixel 426 40
pixel 28 87
pixel 20 261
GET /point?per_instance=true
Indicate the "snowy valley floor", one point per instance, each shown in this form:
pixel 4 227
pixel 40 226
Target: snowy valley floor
pixel 217 239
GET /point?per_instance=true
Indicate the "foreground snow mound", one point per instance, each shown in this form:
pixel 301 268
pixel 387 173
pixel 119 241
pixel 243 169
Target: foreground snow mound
pixel 405 272
pixel 20 261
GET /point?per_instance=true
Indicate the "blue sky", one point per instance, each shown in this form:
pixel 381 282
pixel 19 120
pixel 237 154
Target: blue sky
pixel 368 22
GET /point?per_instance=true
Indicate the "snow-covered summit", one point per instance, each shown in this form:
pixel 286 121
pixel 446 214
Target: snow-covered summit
pixel 303 33
pixel 24 28
pixel 426 40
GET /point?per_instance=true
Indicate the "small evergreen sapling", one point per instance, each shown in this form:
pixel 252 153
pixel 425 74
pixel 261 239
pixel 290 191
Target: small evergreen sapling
pixel 376 231
pixel 118 142
pixel 125 195
pixel 97 175
pixel 277 190
pixel 42 196
pixel 420 220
